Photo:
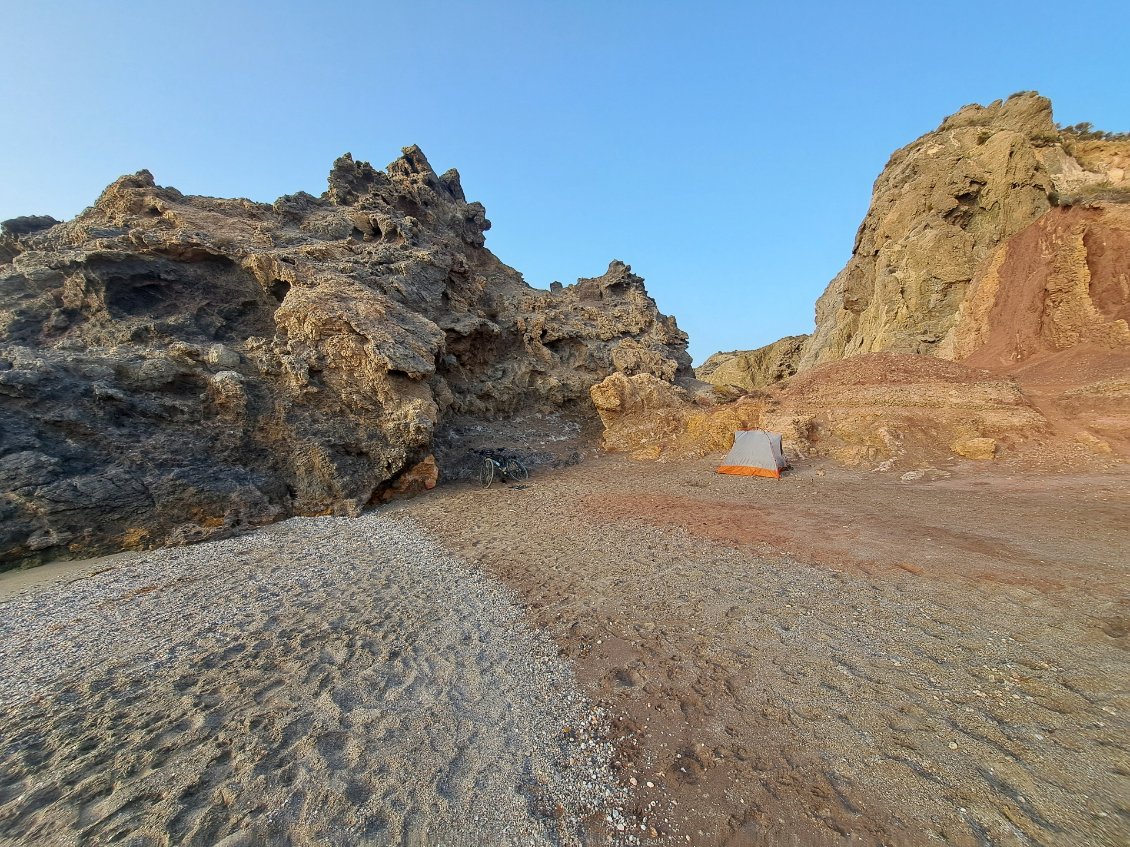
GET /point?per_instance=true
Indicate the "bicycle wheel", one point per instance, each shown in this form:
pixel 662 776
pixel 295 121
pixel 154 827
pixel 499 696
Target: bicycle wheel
pixel 486 473
pixel 516 470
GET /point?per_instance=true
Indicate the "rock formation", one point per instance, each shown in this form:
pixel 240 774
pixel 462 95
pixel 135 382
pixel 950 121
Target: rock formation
pixel 998 241
pixel 943 211
pixel 868 409
pixel 751 369
pixel 1063 280
pixel 174 366
pixel 654 419
pixel 941 205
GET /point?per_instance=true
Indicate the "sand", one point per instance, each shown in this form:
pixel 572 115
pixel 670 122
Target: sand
pixel 840 657
pixel 322 681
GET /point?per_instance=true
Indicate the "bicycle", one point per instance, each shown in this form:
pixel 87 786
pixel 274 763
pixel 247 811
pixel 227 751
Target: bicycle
pixel 511 469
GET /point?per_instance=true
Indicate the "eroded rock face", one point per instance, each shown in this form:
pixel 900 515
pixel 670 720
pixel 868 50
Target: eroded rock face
pixel 997 241
pixel 891 406
pixel 1062 281
pixel 939 208
pixel 174 366
pixel 753 369
pixel 651 418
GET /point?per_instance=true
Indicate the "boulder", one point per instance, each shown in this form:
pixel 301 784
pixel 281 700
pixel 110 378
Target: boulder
pixel 975 448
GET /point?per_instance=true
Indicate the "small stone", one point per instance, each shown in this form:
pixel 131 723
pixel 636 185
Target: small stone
pixel 953 745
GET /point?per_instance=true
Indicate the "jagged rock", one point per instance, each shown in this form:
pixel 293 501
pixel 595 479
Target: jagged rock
pixel 172 367
pixel 651 418
pixel 26 224
pixel 1089 169
pixel 753 369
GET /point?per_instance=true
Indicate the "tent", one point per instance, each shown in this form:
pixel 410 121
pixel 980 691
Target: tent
pixel 755 453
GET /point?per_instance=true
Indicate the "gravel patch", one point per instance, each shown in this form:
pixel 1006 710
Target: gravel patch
pixel 321 681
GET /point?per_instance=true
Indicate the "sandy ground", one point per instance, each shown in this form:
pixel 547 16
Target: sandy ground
pixel 840 657
pixel 324 681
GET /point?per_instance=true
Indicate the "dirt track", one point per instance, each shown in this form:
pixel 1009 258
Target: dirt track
pixel 838 657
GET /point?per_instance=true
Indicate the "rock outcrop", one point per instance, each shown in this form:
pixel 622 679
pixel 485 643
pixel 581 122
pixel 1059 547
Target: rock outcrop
pixel 1063 280
pixel 175 366
pixel 651 418
pixel 886 406
pixel 999 241
pixel 753 369
pixel 875 408
pixel 942 211
pixel 939 208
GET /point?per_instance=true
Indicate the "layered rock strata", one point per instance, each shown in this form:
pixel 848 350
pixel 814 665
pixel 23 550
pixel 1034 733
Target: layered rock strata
pixel 1063 280
pixel 175 366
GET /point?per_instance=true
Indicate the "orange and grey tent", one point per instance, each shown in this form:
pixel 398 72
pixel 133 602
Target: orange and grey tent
pixel 755 453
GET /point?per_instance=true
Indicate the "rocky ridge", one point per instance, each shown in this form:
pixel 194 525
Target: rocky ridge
pixel 172 366
pixel 751 369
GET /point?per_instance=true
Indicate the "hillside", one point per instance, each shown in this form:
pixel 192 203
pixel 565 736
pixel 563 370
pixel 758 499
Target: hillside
pixel 943 214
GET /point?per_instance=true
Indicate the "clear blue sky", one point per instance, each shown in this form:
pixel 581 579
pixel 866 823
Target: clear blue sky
pixel 725 150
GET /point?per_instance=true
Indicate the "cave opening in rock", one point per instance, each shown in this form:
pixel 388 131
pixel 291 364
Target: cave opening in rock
pixel 279 289
pixel 136 295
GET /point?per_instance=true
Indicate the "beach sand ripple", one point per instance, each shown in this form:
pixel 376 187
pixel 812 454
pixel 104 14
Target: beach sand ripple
pixel 322 681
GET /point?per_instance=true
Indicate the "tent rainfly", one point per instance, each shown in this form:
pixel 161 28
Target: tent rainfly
pixel 755 453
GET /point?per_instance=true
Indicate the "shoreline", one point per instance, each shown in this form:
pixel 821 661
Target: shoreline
pixel 17 580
